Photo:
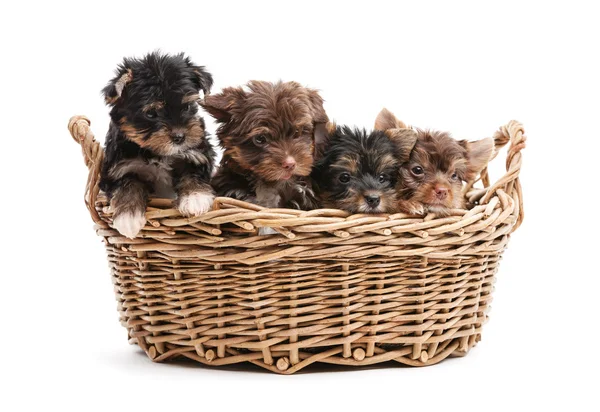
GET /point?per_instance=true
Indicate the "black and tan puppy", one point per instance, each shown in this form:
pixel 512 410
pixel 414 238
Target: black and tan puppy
pixel 359 170
pixel 156 142
pixel 432 178
pixel 268 132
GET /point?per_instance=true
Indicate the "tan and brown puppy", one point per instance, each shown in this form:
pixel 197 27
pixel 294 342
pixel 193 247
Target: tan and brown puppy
pixel 359 170
pixel 432 178
pixel 269 133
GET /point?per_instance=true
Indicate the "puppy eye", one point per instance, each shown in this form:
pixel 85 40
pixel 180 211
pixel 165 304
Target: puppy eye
pixel 454 176
pixel 187 107
pixel 383 178
pixel 259 140
pixel 301 132
pixel 344 177
pixel 151 114
pixel 417 170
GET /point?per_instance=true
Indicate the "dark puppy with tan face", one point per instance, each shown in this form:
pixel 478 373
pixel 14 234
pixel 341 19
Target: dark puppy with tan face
pixel 269 132
pixel 432 179
pixel 156 142
pixel 359 170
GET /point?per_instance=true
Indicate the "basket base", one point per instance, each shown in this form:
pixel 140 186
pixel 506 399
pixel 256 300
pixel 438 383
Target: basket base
pixel 457 347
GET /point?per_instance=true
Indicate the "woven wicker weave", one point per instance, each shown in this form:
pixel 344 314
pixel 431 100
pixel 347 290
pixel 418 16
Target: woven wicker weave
pixel 350 290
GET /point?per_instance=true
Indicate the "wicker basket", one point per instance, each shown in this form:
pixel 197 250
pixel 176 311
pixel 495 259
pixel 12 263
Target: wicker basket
pixel 349 290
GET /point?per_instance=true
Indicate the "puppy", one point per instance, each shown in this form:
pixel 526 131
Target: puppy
pixel 359 170
pixel 269 133
pixel 156 142
pixel 432 178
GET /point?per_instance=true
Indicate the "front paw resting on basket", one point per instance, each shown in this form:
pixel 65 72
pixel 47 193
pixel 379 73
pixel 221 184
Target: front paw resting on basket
pixel 129 224
pixel 195 203
pixel 412 208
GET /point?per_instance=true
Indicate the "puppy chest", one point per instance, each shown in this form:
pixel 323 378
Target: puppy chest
pixel 160 171
pixel 157 172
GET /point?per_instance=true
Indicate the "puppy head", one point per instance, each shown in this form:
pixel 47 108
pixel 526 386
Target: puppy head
pixel 359 170
pixel 270 129
pixel 153 101
pixel 437 167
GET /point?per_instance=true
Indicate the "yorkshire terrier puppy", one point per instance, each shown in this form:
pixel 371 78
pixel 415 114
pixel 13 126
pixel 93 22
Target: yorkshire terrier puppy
pixel 269 133
pixel 432 178
pixel 156 142
pixel 359 171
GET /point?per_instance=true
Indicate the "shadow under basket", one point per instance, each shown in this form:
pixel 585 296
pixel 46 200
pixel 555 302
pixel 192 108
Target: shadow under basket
pixel 327 287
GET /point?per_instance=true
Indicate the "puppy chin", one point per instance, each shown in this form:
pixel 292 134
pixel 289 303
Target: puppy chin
pixel 286 176
pixel 443 208
pixel 364 208
pixel 172 150
pixel 277 176
pixel 176 150
pixel 438 209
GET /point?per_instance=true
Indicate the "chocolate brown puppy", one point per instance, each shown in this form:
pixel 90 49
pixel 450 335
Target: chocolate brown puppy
pixel 269 133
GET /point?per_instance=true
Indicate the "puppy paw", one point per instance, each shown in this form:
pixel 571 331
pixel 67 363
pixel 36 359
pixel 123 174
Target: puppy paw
pixel 129 224
pixel 263 231
pixel 195 203
pixel 413 208
pixel 418 210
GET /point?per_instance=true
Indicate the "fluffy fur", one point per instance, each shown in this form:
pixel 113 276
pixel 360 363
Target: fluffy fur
pixel 359 170
pixel 156 142
pixel 432 179
pixel 269 133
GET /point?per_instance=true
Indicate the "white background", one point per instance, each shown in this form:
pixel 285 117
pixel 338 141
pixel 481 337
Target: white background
pixel 468 67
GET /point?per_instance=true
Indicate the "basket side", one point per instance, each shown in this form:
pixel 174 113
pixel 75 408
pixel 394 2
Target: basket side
pixel 286 314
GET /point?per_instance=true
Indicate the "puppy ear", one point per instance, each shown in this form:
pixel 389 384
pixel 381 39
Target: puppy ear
pixel 220 105
pixel 405 140
pixel 322 128
pixel 479 154
pixel 386 120
pixel 323 133
pixel 114 89
pixel 204 79
pixel 316 107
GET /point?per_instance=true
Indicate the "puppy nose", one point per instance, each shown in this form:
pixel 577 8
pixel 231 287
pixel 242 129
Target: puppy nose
pixel 289 163
pixel 178 137
pixel 372 201
pixel 441 192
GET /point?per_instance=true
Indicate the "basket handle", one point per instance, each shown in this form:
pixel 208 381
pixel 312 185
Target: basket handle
pixel 514 133
pixel 93 154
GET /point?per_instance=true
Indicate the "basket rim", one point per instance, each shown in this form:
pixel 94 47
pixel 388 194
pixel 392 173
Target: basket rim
pixel 495 204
